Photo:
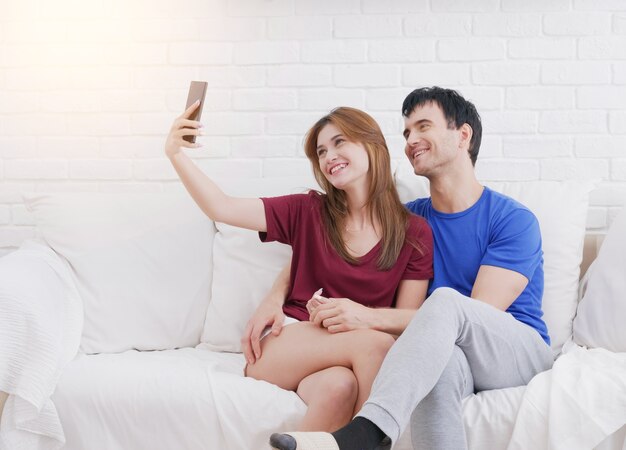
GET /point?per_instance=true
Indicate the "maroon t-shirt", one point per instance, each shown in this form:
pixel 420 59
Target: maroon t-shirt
pixel 296 220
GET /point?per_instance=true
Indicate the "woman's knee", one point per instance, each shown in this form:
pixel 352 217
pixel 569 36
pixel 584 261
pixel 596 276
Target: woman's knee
pixel 334 387
pixel 342 387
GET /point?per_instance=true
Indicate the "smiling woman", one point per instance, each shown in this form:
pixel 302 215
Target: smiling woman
pixel 355 239
pixel 337 141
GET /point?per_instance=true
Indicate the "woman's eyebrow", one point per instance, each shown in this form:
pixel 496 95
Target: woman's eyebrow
pixel 332 139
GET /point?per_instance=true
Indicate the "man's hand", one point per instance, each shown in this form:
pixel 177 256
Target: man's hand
pixel 341 314
pixel 269 313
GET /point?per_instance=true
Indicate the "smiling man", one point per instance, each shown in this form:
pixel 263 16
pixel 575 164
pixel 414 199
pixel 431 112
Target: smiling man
pixel 481 326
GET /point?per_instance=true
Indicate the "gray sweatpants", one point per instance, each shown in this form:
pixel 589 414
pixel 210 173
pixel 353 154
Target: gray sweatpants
pixel 453 347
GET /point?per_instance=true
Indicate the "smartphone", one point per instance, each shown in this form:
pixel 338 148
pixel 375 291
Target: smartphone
pixel 197 91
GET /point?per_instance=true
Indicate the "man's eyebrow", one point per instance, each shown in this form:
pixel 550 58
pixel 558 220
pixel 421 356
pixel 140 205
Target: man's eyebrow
pixel 417 122
pixel 332 139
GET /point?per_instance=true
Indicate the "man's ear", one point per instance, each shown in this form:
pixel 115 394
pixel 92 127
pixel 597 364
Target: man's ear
pixel 466 136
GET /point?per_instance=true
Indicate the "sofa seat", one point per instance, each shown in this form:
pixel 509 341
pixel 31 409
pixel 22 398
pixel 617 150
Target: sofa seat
pixel 173 399
pixel 194 398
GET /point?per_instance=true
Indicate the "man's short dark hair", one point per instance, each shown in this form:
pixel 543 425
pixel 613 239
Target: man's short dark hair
pixel 456 110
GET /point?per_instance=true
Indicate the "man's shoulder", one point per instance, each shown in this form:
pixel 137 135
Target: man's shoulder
pixel 504 205
pixel 510 217
pixel 418 205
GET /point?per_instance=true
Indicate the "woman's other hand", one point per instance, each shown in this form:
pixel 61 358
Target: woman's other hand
pixel 269 313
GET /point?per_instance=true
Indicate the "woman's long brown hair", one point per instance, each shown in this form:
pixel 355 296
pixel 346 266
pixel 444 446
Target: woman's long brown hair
pixel 383 201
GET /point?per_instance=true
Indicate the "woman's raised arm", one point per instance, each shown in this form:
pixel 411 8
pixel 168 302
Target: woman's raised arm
pixel 240 212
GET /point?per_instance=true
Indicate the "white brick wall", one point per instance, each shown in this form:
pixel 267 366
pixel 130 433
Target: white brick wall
pixel 88 90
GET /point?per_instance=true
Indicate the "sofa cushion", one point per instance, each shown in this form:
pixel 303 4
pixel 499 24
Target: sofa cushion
pixel 126 252
pixel 561 209
pixel 602 310
pixel 197 399
pixel 244 267
pixel 187 398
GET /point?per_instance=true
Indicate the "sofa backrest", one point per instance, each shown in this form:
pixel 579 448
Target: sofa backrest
pixel 155 273
pixel 142 264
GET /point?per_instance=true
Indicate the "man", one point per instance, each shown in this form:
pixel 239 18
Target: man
pixel 481 326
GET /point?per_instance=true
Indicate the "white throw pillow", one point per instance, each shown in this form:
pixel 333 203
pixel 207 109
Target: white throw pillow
pixel 244 268
pixel 142 264
pixel 602 310
pixel 561 209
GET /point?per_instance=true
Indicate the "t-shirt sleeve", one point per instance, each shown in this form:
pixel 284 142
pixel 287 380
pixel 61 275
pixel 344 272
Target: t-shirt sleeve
pixel 420 265
pixel 515 243
pixel 282 215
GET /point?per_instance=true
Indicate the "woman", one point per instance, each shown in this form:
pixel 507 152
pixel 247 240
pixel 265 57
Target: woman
pixel 355 241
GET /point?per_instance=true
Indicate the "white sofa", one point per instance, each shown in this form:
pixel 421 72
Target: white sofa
pixel 128 310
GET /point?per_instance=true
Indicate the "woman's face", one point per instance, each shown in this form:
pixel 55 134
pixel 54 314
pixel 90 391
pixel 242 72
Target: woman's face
pixel 343 163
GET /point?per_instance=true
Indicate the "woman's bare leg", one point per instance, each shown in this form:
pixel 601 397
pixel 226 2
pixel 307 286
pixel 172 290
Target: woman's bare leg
pixel 3 399
pixel 330 395
pixel 303 348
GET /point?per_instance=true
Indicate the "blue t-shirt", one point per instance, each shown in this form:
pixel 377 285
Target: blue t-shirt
pixel 495 231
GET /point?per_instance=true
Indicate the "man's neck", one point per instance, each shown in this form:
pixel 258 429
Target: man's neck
pixel 456 192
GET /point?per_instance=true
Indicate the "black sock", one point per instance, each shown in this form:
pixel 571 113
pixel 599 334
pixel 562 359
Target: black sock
pixel 360 434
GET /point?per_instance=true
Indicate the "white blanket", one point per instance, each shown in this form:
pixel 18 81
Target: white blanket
pixel 574 406
pixel 40 325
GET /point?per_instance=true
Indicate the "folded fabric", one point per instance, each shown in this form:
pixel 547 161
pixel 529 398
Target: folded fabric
pixel 574 406
pixel 40 328
pixel 602 310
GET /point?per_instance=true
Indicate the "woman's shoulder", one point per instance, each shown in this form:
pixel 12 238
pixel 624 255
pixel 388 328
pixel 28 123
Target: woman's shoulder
pixel 417 224
pixel 306 201
pixel 304 197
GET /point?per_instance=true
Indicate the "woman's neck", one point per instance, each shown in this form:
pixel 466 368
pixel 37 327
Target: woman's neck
pixel 359 213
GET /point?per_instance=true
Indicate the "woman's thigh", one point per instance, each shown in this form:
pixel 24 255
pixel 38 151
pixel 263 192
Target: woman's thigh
pixel 304 348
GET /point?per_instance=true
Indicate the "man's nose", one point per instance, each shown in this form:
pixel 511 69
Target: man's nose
pixel 413 138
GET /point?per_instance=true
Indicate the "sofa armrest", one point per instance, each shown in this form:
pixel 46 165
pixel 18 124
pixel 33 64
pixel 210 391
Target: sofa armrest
pixel 40 321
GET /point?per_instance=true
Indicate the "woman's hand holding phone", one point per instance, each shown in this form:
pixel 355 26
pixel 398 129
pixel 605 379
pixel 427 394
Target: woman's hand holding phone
pixel 183 126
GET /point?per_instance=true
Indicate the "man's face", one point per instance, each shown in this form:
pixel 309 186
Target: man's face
pixel 430 144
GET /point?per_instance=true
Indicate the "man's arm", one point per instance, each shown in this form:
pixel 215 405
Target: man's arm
pixel 510 260
pixel 497 286
pixel 269 313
